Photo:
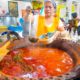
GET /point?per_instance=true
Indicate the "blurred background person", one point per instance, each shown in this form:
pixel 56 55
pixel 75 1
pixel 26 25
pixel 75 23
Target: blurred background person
pixel 26 20
pixel 74 23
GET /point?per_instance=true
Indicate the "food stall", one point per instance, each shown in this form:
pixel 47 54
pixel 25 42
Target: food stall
pixel 26 59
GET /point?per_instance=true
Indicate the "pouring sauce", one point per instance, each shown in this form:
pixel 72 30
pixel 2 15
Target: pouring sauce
pixel 37 62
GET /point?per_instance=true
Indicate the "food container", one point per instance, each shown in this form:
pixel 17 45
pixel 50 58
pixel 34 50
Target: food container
pixel 72 49
pixel 9 20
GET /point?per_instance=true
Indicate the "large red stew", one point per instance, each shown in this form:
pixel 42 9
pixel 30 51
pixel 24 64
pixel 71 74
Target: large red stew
pixel 36 62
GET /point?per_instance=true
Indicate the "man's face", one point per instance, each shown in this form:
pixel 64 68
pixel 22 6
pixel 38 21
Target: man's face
pixel 48 9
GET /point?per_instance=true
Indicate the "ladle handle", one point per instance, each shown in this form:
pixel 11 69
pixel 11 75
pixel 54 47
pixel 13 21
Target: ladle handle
pixel 12 33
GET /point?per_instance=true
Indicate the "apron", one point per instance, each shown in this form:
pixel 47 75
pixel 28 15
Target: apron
pixel 42 29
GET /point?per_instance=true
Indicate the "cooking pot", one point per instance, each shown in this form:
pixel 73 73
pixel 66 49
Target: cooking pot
pixel 72 48
pixel 9 20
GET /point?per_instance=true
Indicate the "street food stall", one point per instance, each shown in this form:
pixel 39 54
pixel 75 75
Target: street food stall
pixel 27 59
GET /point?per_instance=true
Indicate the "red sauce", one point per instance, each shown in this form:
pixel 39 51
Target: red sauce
pixel 45 61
